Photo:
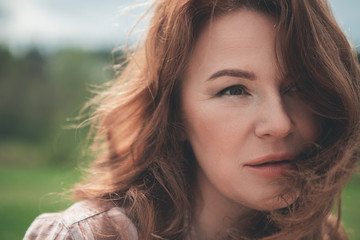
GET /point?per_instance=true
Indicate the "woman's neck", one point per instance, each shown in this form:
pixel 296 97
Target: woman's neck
pixel 214 213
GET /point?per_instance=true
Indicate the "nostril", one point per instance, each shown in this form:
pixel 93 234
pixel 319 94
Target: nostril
pixel 275 122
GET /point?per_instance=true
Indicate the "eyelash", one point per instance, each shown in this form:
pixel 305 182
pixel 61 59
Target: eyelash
pixel 291 88
pixel 236 87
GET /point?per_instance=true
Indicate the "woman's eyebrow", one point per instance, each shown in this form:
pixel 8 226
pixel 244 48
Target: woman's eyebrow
pixel 233 73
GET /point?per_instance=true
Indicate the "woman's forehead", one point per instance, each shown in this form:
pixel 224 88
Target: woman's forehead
pixel 235 39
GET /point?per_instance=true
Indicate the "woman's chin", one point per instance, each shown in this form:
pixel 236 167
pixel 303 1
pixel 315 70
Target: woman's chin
pixel 275 202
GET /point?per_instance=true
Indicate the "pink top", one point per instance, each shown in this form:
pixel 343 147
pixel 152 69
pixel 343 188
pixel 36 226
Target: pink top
pixel 83 220
pixel 88 220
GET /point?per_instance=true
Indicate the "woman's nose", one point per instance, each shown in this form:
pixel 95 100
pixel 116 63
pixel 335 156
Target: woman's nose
pixel 274 122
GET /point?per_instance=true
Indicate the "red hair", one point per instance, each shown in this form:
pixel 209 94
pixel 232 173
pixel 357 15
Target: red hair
pixel 147 168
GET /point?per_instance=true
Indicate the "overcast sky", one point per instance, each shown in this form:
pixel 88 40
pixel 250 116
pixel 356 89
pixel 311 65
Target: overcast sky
pixel 94 23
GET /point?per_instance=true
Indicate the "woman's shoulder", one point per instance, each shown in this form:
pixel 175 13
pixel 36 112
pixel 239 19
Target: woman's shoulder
pixel 88 219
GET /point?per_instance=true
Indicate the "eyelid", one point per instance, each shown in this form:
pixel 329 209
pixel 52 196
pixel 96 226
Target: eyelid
pixel 292 87
pixel 222 92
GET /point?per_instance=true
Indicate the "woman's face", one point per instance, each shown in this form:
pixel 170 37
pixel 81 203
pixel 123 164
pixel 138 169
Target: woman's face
pixel 244 120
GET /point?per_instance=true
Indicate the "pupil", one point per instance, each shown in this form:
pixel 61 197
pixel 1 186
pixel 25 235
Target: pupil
pixel 236 91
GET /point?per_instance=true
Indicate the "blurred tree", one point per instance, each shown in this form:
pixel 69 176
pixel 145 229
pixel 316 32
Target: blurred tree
pixel 24 97
pixel 39 92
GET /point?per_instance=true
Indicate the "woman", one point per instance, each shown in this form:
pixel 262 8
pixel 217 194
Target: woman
pixel 237 119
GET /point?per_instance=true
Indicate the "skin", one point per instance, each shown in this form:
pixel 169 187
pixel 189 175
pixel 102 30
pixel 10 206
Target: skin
pixel 236 108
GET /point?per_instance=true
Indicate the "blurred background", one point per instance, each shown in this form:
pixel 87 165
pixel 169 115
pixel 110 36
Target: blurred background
pixel 52 53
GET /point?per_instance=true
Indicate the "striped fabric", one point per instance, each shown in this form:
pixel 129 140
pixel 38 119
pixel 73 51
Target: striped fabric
pixel 83 220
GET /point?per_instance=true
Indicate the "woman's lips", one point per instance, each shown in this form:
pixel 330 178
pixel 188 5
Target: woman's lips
pixel 272 165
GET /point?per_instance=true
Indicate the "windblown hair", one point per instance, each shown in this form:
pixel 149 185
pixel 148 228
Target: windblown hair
pixel 147 168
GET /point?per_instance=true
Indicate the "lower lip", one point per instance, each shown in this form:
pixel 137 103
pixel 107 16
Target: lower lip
pixel 271 170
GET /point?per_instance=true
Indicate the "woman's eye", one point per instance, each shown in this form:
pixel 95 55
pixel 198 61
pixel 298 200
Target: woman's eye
pixel 292 88
pixel 233 90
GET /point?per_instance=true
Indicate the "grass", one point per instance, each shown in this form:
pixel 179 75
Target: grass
pixel 28 192
pixel 351 208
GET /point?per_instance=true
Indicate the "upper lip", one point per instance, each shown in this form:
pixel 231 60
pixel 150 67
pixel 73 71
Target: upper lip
pixel 274 157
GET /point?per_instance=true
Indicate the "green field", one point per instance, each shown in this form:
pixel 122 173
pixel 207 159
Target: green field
pixel 351 208
pixel 27 192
